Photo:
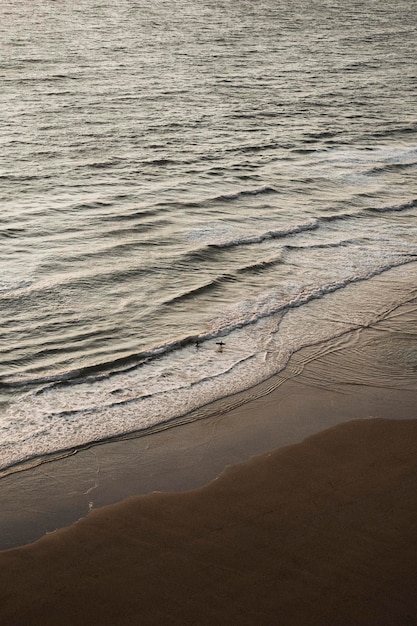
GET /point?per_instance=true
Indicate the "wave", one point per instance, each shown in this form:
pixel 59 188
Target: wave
pixel 323 246
pixel 130 216
pixel 254 148
pixel 227 197
pixel 411 204
pixel 265 308
pixel 92 276
pixel 389 208
pixel 245 192
pixel 12 233
pixel 395 131
pixel 255 268
pixel 99 165
pixel 162 161
pixel 97 204
pixel 203 254
pixel 206 252
pixel 40 79
pixel 210 250
pixel 270 234
pixel 204 288
pixel 390 167
pixel 21 178
pixel 111 251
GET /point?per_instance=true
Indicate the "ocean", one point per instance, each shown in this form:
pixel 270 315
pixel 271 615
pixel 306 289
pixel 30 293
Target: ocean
pixel 192 192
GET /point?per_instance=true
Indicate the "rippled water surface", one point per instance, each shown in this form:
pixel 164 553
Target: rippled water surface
pixel 192 172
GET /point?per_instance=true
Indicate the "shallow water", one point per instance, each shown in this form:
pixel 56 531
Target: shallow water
pixel 234 173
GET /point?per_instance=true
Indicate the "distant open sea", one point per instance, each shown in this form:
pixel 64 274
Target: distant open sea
pixel 178 174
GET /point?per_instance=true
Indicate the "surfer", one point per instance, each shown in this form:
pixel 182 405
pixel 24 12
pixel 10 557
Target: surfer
pixel 220 344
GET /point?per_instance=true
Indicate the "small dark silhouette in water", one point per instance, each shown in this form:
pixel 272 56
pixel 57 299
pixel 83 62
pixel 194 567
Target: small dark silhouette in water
pixel 220 344
pixel 197 344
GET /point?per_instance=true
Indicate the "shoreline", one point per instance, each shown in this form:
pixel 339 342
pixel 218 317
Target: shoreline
pixel 294 503
pixel 365 374
pixel 318 323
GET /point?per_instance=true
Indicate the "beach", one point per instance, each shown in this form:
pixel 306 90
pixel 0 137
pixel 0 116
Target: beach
pixel 313 521
pixel 208 313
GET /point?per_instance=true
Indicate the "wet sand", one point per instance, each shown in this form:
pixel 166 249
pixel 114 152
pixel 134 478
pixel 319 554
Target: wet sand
pixel 369 373
pixel 320 531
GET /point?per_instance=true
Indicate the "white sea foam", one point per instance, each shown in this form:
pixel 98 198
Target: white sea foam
pixel 62 417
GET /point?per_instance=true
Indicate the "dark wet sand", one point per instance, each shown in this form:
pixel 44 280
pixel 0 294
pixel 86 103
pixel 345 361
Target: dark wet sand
pixel 323 531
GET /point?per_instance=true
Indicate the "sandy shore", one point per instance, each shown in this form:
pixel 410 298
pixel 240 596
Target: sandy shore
pixel 371 373
pixel 321 528
pixel 323 532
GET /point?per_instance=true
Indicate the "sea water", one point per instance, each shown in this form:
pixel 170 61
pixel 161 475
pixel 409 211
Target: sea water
pixel 177 176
